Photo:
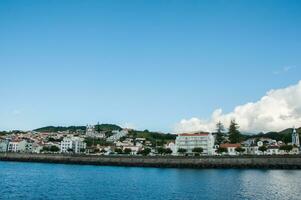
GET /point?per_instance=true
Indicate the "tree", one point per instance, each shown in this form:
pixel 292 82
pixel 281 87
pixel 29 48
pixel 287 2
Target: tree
pixel 240 150
pixel 182 151
pixel 263 149
pixel 286 148
pixel 197 150
pixel 220 133
pixel 221 150
pixel 54 149
pixel 118 151
pixel 168 151
pixel 234 134
pixel 161 150
pixel 103 151
pixel 145 152
pixel 127 150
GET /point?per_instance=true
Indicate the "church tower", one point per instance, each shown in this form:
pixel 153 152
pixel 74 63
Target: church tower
pixel 295 138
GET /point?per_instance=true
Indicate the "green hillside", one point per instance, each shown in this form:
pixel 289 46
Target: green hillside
pixel 107 127
pixel 285 135
pixel 60 128
pixel 155 137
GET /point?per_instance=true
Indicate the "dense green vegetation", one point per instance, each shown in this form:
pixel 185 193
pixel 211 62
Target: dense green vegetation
pixel 284 136
pixel 182 151
pixel 286 148
pixel 163 151
pixel 11 132
pixel 144 152
pixel 60 128
pixel 220 129
pixel 107 127
pixel 234 134
pixel 51 149
pixel 98 127
pixel 3 132
pixel 157 139
pixel 96 141
pixel 221 150
pixel 197 150
pixel 263 148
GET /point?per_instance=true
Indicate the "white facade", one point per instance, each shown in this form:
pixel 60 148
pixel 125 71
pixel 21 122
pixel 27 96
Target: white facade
pixel 13 146
pixel 3 146
pixel 295 138
pixel 36 148
pixel 72 144
pixel 19 146
pixel 273 151
pixel 198 140
pixel 91 132
pixel 252 150
pixel 231 149
pixel 117 135
pixel 171 146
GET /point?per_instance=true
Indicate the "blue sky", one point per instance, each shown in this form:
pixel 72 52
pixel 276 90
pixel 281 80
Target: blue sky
pixel 144 63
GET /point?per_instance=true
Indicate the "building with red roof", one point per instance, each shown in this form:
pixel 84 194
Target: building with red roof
pixel 191 141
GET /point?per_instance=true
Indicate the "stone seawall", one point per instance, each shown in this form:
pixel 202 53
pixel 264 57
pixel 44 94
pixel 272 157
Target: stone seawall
pixel 269 162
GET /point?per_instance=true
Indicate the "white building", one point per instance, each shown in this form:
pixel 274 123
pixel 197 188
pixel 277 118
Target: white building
pixel 19 146
pixel 36 148
pixel 171 146
pixel 273 150
pixel 3 145
pixel 295 138
pixel 231 149
pixel 197 140
pixel 91 132
pixel 117 135
pixel 73 145
pixel 252 150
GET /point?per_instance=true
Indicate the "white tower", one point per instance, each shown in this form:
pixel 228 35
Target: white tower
pixel 295 138
pixel 90 131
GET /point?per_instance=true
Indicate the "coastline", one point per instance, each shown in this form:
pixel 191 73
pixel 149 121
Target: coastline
pixel 250 162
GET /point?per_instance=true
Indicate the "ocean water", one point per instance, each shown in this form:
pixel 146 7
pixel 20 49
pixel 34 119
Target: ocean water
pixel 38 181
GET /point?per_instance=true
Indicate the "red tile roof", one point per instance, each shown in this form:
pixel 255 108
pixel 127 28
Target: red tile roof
pixel 194 134
pixel 230 145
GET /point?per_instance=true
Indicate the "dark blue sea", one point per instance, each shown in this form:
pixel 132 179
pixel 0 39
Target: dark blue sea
pixel 55 181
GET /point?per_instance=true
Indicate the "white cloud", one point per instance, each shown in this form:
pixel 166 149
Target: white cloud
pixel 277 110
pixel 284 70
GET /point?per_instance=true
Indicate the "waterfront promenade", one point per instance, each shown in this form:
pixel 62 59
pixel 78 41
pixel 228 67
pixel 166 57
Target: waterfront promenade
pixel 265 162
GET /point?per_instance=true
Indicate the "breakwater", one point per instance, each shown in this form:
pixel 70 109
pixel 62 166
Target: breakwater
pixel 268 162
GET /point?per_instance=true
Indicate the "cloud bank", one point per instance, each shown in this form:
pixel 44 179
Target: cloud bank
pixel 277 110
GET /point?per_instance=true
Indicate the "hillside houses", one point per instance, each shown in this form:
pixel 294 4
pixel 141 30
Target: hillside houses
pixel 124 141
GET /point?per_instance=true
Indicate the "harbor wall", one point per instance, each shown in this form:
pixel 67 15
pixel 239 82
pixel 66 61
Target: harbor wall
pixel 269 162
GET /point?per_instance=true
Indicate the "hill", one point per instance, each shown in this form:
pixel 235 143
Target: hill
pixel 155 137
pixel 285 135
pixel 99 127
pixel 60 128
pixel 107 127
